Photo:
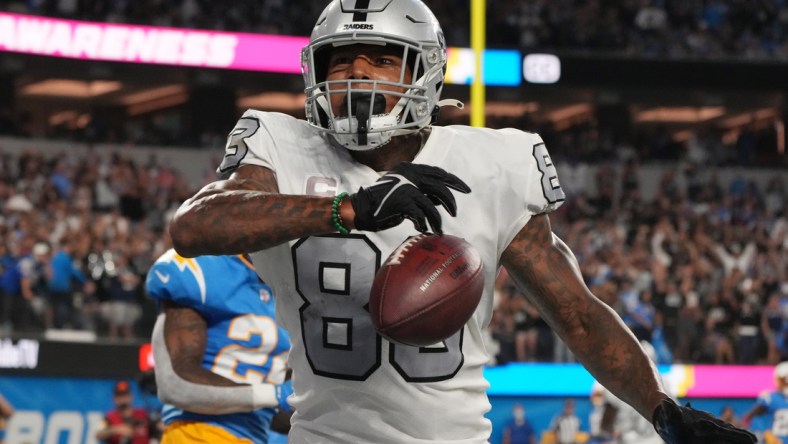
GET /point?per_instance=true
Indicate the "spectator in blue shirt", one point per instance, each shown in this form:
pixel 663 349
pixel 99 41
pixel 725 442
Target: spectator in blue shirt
pixel 519 430
pixel 60 285
pixel 10 284
pixel 641 315
pixel 20 286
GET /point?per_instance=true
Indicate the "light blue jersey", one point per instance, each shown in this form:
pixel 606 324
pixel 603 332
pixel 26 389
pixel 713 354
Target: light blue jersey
pixel 244 343
pixel 776 404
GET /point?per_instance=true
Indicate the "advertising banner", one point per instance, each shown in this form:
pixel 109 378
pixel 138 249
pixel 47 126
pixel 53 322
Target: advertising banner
pixel 52 410
pixel 685 381
pixel 113 42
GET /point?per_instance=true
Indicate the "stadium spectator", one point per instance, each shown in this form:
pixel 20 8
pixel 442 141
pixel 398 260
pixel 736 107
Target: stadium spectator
pixel 63 275
pixel 533 337
pixel 642 316
pixel 716 344
pixel 518 430
pixel 125 424
pixel 748 341
pixel 565 426
pixel 774 327
pixel 10 288
pixel 34 271
pixel 121 309
pixel 598 434
pixel 729 415
pixel 689 329
pixel 502 323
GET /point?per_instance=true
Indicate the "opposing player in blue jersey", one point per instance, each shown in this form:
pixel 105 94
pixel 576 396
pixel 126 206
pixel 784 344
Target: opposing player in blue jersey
pixel 775 404
pixel 220 358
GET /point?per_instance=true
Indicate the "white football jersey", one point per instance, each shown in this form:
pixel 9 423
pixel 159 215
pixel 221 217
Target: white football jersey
pixel 351 385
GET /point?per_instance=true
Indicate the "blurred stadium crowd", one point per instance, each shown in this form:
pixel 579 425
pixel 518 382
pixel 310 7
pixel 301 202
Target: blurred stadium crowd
pixel 78 236
pixel 701 270
pixel 691 28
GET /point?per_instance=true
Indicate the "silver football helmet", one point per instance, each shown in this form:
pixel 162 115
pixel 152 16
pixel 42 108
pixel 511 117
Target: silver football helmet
pixel 363 123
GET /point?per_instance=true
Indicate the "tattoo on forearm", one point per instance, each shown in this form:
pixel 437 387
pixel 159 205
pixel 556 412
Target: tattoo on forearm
pixel 547 271
pixel 247 214
pixel 246 221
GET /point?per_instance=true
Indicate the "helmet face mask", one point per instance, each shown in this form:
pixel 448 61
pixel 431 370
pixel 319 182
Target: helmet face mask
pixel 407 29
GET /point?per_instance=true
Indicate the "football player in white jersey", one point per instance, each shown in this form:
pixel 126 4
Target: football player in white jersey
pixel 320 203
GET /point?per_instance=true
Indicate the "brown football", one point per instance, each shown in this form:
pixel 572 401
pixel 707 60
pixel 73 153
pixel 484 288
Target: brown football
pixel 427 289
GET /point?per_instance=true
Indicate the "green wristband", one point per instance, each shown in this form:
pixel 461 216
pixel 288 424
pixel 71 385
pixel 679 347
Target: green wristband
pixel 336 218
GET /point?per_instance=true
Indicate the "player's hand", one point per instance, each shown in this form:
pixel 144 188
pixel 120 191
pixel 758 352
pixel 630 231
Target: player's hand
pixel 685 425
pixel 746 421
pixel 282 392
pixel 123 430
pixel 409 191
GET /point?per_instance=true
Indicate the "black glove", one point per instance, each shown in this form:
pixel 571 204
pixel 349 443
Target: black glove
pixel 409 191
pixel 685 425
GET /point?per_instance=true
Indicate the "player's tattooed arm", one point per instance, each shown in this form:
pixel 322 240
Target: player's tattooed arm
pixel 246 213
pixel 547 272
pixel 185 333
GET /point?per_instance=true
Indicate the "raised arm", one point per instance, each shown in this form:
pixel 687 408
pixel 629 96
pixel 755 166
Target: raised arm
pixel 546 270
pixel 756 410
pixel 246 213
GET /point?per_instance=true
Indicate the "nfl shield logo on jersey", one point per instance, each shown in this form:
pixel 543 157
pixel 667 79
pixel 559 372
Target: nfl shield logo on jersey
pixel 265 295
pixel 322 186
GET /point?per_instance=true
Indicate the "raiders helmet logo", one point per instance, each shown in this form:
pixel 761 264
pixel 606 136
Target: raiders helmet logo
pixel 358 27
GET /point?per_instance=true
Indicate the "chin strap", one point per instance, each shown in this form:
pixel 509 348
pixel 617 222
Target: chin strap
pixel 445 102
pixel 451 102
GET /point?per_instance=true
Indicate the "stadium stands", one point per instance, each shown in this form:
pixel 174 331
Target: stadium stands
pixel 697 256
pixel 654 28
